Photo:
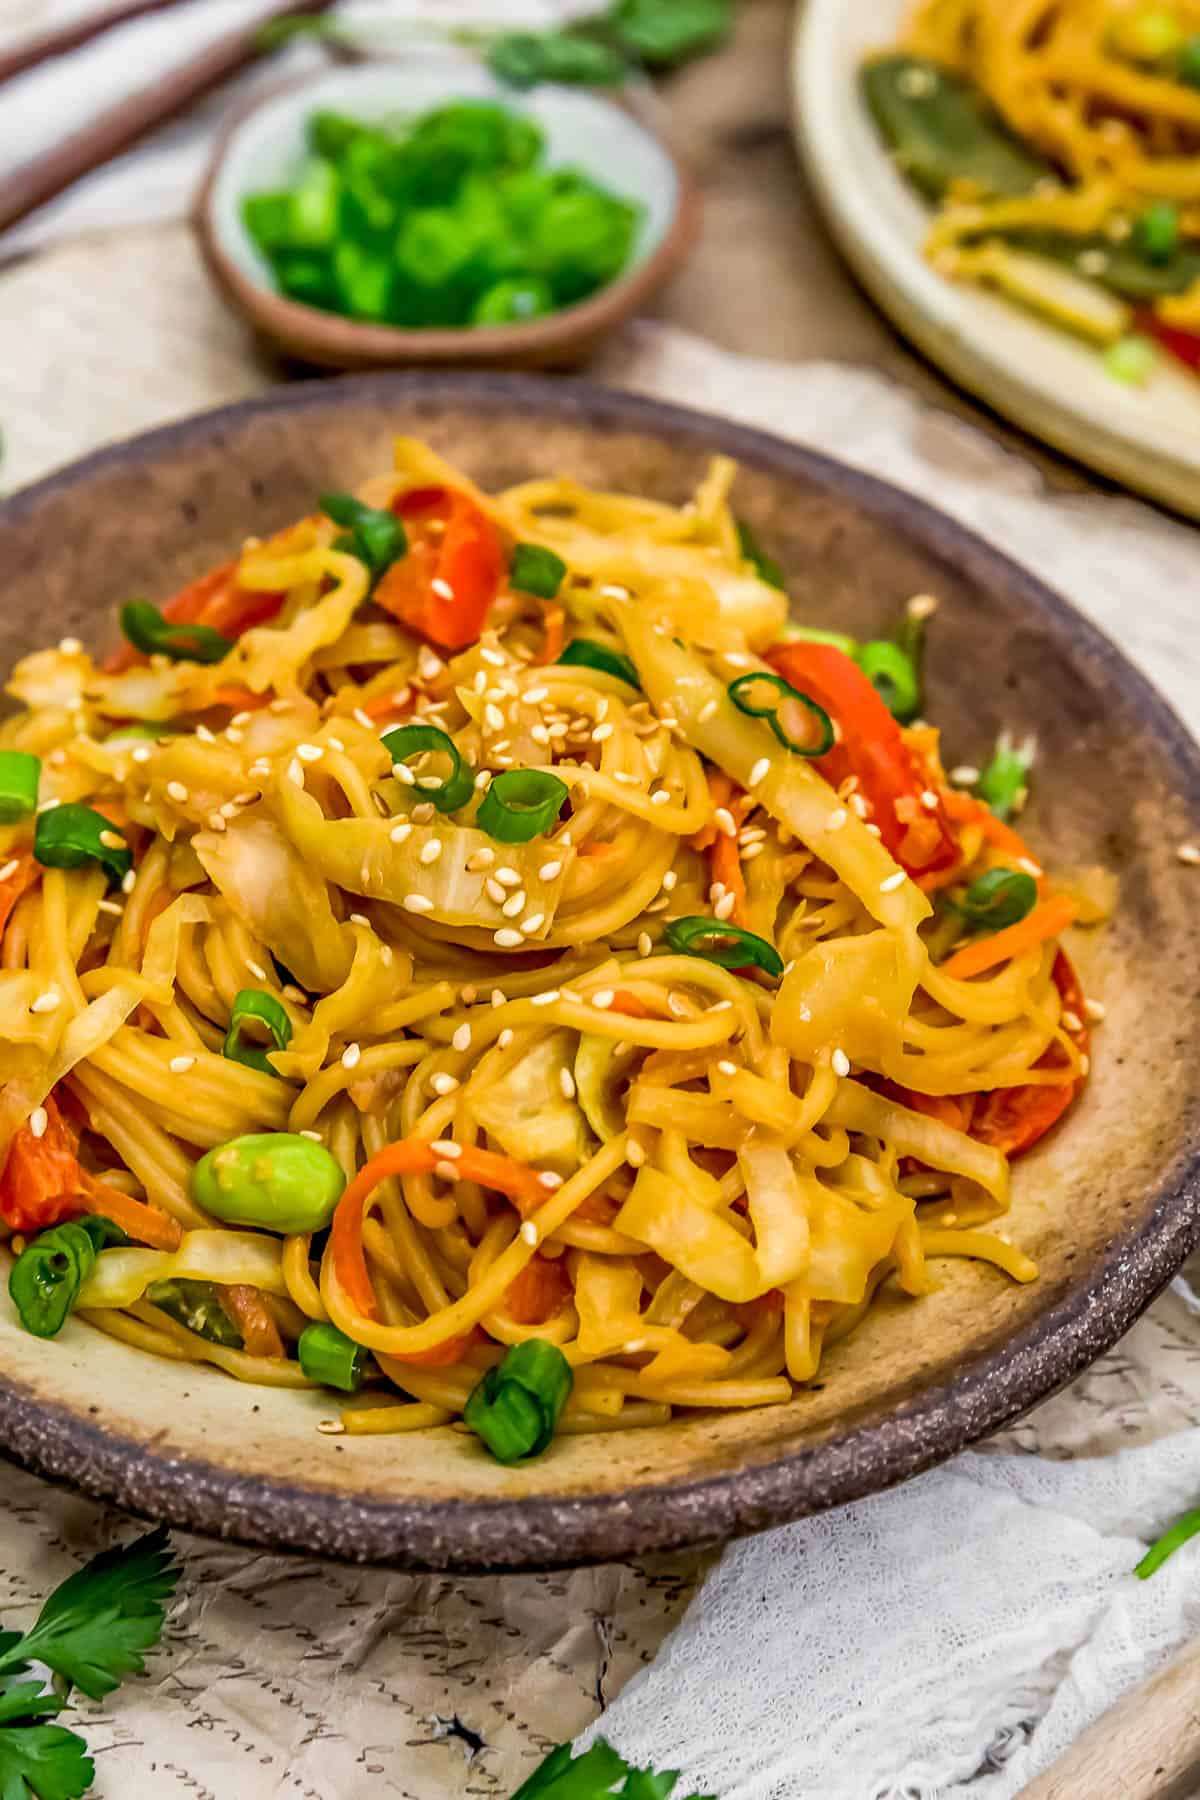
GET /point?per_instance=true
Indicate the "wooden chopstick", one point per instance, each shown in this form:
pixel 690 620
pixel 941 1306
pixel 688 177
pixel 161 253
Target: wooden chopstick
pixel 30 185
pixel 56 42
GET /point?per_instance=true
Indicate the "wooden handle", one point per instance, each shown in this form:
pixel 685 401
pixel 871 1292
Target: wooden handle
pixel 33 183
pixel 1146 1747
pixel 34 50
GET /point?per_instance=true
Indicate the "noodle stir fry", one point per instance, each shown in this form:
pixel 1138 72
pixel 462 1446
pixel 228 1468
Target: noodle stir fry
pixel 473 950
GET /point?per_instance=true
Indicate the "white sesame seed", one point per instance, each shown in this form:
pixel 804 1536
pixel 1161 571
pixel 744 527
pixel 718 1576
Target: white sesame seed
pixel 1072 1021
pixel 431 783
pixel 725 906
pixel 215 822
pixel 446 1148
pixel 257 970
pixel 1085 1065
pixel 445 1171
pixel 351 1056
pixel 112 840
pixel 431 851
pixel 364 719
pixel 443 1084
pixel 39 1118
pixel 566 1082
pixel 483 780
pixel 532 923
pixel 550 871
pixel 546 999
pixel 922 606
pixel 205 735
pixel 140 753
pixel 331 1428
pixel 836 819
pixel 1095 1010
pixel 890 883
pixel 49 805
pixel 751 851
pixel 177 792
pixel 840 1063
pixel 310 753
pixel 234 735
pixel 514 905
pixel 507 877
pixel 965 775
pixel 462 1038
pixel 48 1002
pixel 493 718
pixel 506 938
pixel 480 859
pixel 858 805
pixel 70 646
pixel 760 771
pixel 535 695
pixel 128 881
pixel 635 1154
pixel 873 829
pixel 495 893
pixel 423 812
pixel 442 588
pixel 529 1233
pixel 603 998
pixel 1188 853
pixel 645 943
pixel 726 1068
pixel 417 903
pixel 550 1180
pixel 295 773
pixel 1027 864
pixel 660 797
pixel 10 868
pixel 723 820
pixel 398 833
pixel 110 906
pixel 494 658
pixel 259 768
pixel 357 918
pixel 707 710
pixel 929 800
pixel 602 733
pixel 179 1065
pixel 499 997
pixel 624 778
pixel 506 1037
pixel 404 774
pixel 668 881
pixel 678 1007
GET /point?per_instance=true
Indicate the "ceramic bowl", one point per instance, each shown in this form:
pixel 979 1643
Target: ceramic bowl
pixel 1109 1204
pixel 264 149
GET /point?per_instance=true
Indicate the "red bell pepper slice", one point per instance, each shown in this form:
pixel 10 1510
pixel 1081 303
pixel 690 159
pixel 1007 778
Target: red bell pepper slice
pixel 443 588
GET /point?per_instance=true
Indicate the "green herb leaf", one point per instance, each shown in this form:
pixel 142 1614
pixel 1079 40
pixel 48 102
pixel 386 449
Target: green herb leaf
pixel 43 1762
pixel 536 570
pixel 376 537
pixel 28 1700
pixel 665 33
pixel 594 1775
pixel 95 1627
pixel 765 566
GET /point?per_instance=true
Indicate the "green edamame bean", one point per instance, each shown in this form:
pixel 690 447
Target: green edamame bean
pixel 273 1180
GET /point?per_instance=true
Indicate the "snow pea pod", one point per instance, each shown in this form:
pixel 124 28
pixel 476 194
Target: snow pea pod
pixel 943 132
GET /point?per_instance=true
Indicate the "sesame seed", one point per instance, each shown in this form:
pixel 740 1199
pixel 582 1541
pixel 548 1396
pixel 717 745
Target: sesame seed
pixel 1095 1010
pixel 550 871
pixel 550 1180
pixel 506 938
pixel 109 906
pixel 505 1038
pixel 929 800
pixel 351 1056
pixel 442 588
pixel 873 829
pixel 398 833
pixel 480 859
pixel 529 1233
pixel 840 1063
pixel 532 922
pixel 751 851
pixel 364 719
pixel 603 998
pixel 514 905
pixel 1072 1021
pixel 624 778
pixel 494 658
pixel 635 1155
pixel 295 773
pixel 678 1007
pixel 205 735
pixel 660 797
pixel 233 734
pixel 310 753
pixel 112 840
pixel 602 733
pixel 177 792
pixel 331 1427
pixel 70 646
pixel 49 805
pixel 499 997
pixel 404 774
pixel 723 819
pixel 726 1068
pixel 257 970
pixel 357 918
pixel 566 1082
pixel 423 812
pixel 965 775
pixel 179 1065
pixel 259 768
pixel 493 718
pixel 431 851
pixel 48 1002
pixel 922 606
pixel 128 881
pixel 508 877
pixel 546 999
pixel 1085 1065
pixel 1188 853
pixel 39 1118
pixel 535 695
pixel 445 1171
pixel 495 893
pixel 417 903
pixel 483 780
pixel 462 1038
pixel 668 881
pixel 760 771
pixel 446 1148
pixel 443 1084
pixel 706 711
pixel 725 905
pixel 10 868
pixel 1030 867
pixel 634 1347
pixel 891 882
pixel 215 822
pixel 858 806
pixel 468 995
pixel 431 783
pixel 836 819
pixel 140 753
pixel 645 943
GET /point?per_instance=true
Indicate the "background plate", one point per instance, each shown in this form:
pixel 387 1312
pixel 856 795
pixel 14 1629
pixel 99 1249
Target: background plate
pixel 1047 381
pixel 1110 1204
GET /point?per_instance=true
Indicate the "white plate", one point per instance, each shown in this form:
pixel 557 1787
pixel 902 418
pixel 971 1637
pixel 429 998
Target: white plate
pixel 1045 380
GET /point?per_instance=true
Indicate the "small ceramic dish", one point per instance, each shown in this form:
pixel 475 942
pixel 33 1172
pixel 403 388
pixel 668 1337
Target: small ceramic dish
pixel 264 147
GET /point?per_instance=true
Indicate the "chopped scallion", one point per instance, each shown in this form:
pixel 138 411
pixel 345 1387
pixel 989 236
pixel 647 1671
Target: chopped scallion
pixel 265 1010
pixel 998 898
pixel 516 1406
pixel 411 740
pixel 71 835
pixel 765 567
pixel 536 570
pixel 1170 1541
pixel 327 1355
pixel 1002 784
pixel 721 942
pixel 19 776
pixel 376 537
pixel 890 671
pixel 521 804
pixel 586 653
pixel 153 635
pixel 800 725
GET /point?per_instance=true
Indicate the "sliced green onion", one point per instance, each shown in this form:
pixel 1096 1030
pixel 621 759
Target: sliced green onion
pixel 586 653
pixel 71 835
pixel 153 635
pixel 515 1408
pixel 999 898
pixel 521 804
pixel 376 537
pixel 536 570
pixel 327 1355
pixel 720 942
pixel 46 1278
pixel 412 740
pixel 812 634
pixel 1187 62
pixel 197 1306
pixel 790 714
pixel 253 1003
pixel 19 777
pixel 1002 784
pixel 1170 1541
pixel 1132 359
pixel 765 567
pixel 890 671
pixel 1156 231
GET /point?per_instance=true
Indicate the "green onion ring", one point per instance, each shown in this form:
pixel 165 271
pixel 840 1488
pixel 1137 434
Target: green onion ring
pixel 153 635
pixel 536 570
pixel 740 692
pixel 253 1003
pixel 891 672
pixel 586 653
pixel 19 776
pixel 411 740
pixel 516 1406
pixel 720 942
pixel 998 898
pixel 71 835
pixel 521 804
pixel 46 1278
pixel 327 1355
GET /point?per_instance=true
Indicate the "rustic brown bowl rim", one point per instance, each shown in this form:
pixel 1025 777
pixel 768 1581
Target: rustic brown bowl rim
pixel 335 342
pixel 986 1392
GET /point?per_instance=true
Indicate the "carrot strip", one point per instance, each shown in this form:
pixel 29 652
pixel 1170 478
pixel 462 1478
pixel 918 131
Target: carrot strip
pixel 452 1350
pixel 23 877
pixel 248 1310
pixel 540 1291
pixel 380 705
pixel 965 809
pixel 556 632
pixel 1045 921
pixel 137 1220
pixel 720 792
pixel 629 1004
pixel 725 866
pixel 239 699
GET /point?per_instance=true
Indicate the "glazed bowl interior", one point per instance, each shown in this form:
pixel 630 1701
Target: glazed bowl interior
pixel 1109 1205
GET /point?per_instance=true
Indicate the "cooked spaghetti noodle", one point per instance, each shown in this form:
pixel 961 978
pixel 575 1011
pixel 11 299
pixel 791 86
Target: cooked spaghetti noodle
pixel 669 1053
pixel 1091 212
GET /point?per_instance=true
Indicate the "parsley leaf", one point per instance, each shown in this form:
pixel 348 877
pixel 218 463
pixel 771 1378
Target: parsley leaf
pixel 93 1629
pixel 43 1762
pixel 594 1775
